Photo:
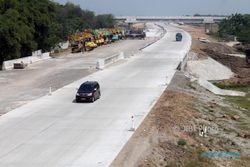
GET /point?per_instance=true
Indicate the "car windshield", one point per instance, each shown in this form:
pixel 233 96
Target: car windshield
pixel 86 88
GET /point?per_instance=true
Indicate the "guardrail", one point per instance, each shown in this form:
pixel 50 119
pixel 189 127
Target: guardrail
pixel 36 56
pixel 102 63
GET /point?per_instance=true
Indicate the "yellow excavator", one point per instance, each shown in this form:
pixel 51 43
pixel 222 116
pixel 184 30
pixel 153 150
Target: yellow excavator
pixel 82 41
pixel 89 41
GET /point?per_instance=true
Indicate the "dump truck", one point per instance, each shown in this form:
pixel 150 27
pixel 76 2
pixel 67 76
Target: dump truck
pixel 140 34
pixel 178 37
pixel 136 31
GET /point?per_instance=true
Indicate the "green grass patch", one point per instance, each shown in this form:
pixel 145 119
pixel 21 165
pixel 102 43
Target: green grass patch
pixel 229 111
pixel 243 102
pixel 182 142
pixel 195 164
pixel 191 86
pixel 171 164
pixel 233 86
pixel 243 125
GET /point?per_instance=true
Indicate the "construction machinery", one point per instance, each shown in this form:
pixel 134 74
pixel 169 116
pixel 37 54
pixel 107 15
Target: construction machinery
pixel 135 31
pixel 82 41
pixel 75 42
pixel 115 34
pixel 99 37
pixel 140 34
pixel 90 39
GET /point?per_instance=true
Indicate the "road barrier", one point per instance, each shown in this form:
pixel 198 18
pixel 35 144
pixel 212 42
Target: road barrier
pixel 64 45
pixel 36 56
pixel 102 63
pixel 183 63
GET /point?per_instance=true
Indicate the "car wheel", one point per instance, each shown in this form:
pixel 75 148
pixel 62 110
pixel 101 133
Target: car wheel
pixel 99 95
pixel 93 99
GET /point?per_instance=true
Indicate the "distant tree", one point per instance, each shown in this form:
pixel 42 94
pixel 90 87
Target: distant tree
pixel 105 20
pixel 73 18
pixel 244 31
pixel 231 25
pixel 7 4
pixel 14 34
pixel 28 25
pixel 25 27
pixel 197 15
pixel 237 25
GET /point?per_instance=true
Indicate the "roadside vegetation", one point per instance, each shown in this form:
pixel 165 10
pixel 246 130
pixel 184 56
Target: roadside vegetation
pixel 236 25
pixel 237 86
pixel 242 102
pixel 26 26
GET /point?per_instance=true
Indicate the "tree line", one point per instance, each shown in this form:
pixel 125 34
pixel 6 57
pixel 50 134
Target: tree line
pixel 236 25
pixel 29 25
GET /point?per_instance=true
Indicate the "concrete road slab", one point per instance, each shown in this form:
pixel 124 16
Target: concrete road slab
pixel 56 132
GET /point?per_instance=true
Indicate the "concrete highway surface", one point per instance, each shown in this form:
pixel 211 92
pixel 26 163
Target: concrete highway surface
pixel 53 131
pixel 17 87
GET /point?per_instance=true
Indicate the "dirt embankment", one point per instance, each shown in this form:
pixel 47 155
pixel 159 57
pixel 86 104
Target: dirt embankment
pixel 170 135
pixel 220 52
pixel 237 64
pixel 154 143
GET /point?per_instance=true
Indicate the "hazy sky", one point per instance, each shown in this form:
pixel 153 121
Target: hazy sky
pixel 163 7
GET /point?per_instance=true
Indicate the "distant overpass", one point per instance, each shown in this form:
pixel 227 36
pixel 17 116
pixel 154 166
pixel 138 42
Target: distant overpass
pixel 176 19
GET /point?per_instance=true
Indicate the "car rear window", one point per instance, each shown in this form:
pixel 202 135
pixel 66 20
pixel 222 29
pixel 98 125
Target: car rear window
pixel 87 88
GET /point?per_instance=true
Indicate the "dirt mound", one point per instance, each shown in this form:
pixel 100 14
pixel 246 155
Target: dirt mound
pixel 237 64
pixel 220 48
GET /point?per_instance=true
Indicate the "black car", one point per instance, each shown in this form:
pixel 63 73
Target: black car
pixel 88 91
pixel 178 37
